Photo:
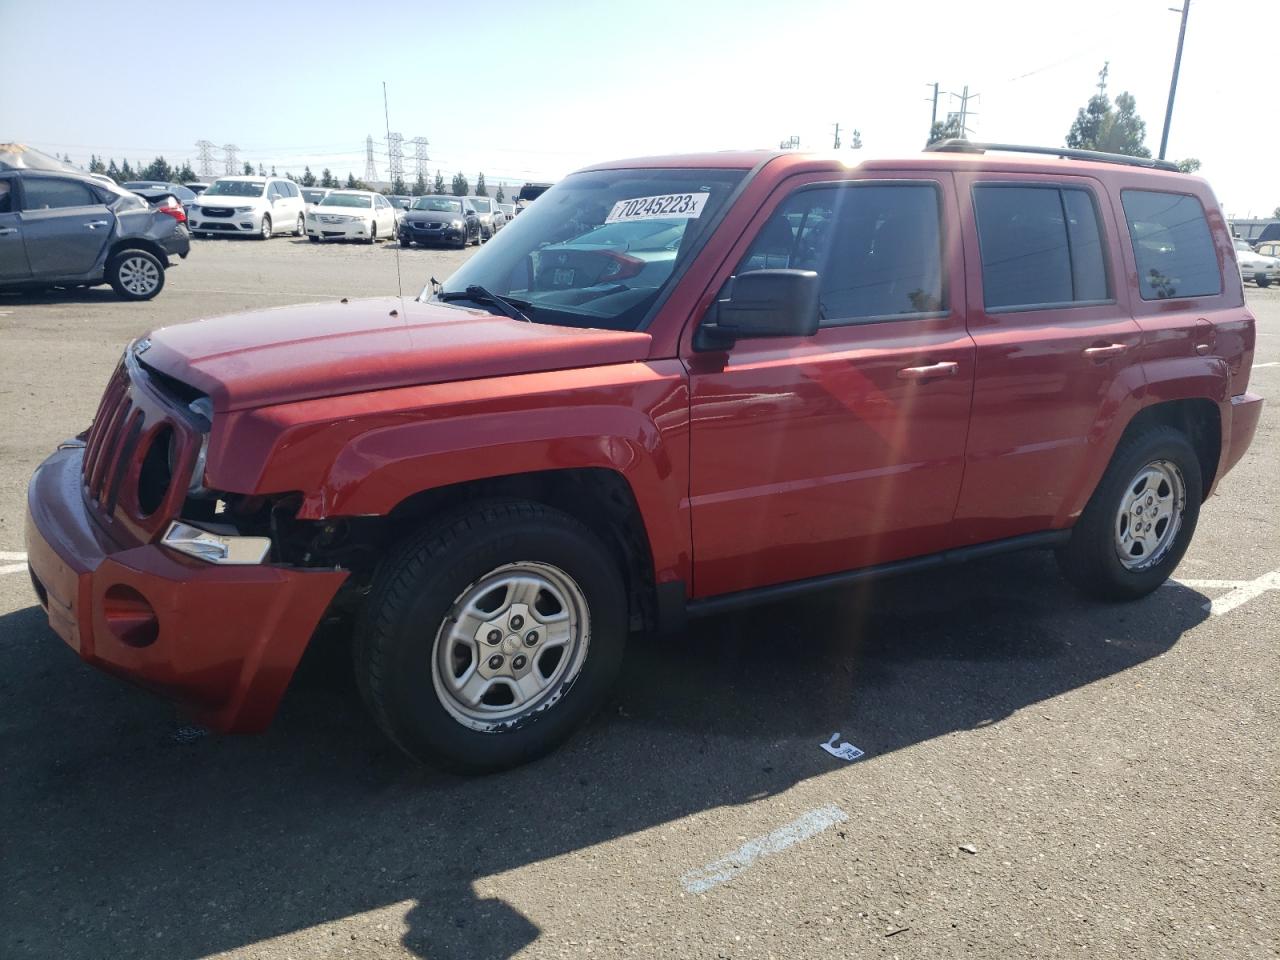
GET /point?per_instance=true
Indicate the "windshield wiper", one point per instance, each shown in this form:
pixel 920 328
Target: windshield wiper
pixel 479 294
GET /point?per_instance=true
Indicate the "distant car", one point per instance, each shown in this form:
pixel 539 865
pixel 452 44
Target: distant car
pixel 508 210
pixel 70 230
pixel 352 215
pixel 440 220
pixel 401 202
pixel 484 209
pixel 529 193
pixel 313 195
pixel 1268 248
pixel 1262 270
pixel 196 187
pixel 250 206
pixel 175 190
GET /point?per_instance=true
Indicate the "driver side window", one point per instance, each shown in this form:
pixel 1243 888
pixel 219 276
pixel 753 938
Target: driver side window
pixel 876 247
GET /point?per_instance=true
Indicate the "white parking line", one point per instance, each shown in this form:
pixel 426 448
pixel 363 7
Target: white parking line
pixel 1238 591
pixel 726 868
pixel 7 567
pixel 1269 363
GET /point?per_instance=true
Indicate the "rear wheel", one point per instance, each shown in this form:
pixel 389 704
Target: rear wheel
pixel 489 639
pixel 1140 520
pixel 405 241
pixel 265 232
pixel 135 274
pixel 1262 280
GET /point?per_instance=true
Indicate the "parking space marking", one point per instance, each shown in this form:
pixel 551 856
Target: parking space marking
pixel 1238 591
pixel 6 566
pixel 726 868
pixel 1269 363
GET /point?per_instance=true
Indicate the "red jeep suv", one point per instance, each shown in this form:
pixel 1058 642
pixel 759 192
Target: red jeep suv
pixel 672 386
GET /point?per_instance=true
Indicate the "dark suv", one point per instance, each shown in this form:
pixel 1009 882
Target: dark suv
pixel 63 229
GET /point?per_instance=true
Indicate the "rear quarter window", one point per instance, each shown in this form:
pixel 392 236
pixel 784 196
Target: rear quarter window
pixel 1171 244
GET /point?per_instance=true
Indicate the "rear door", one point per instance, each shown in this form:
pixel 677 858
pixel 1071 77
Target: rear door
pixel 13 255
pixel 1057 346
pixel 65 226
pixel 814 455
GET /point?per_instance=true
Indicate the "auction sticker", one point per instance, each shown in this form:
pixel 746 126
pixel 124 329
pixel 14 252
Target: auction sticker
pixel 656 208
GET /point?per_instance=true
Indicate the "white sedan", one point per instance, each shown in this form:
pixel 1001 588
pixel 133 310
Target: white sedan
pixel 1262 270
pixel 352 215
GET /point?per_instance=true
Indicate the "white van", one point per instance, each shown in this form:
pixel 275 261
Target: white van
pixel 253 206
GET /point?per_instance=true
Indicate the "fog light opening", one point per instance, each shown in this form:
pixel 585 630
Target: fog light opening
pixel 130 618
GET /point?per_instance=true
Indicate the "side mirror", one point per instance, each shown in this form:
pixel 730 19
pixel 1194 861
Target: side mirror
pixel 763 303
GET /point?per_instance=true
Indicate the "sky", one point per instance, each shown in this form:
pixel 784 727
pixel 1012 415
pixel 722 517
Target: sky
pixel 533 90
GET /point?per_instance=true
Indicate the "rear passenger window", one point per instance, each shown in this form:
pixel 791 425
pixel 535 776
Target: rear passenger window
pixel 43 194
pixel 1171 244
pixel 877 249
pixel 1041 246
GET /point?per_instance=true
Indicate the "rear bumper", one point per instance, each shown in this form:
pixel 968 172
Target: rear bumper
pixel 1246 409
pixel 222 641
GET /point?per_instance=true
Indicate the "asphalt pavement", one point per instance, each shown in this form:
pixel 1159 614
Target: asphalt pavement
pixel 1041 775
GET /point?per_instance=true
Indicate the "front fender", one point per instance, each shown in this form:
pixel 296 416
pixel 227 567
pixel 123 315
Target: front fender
pixel 364 454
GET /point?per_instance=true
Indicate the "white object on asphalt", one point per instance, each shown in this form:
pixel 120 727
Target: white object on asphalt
pixel 6 567
pixel 726 868
pixel 844 751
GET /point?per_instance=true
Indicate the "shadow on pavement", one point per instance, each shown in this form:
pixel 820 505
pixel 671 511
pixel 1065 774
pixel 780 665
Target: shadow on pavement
pixel 120 840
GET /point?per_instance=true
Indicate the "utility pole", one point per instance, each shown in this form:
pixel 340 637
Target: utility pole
pixel 933 116
pixel 1173 83
pixel 836 145
pixel 395 157
pixel 962 118
pixel 420 157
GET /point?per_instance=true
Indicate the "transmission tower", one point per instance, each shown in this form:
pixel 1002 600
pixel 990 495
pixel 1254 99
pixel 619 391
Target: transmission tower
pixel 370 168
pixel 205 160
pixel 230 150
pixel 395 161
pixel 420 157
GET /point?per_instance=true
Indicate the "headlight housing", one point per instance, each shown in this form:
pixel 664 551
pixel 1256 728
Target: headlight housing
pixel 244 209
pixel 456 224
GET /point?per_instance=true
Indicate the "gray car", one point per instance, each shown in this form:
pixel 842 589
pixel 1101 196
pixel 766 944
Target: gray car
pixel 64 229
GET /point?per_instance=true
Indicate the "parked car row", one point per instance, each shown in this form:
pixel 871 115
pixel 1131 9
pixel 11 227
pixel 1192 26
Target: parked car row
pixel 1256 265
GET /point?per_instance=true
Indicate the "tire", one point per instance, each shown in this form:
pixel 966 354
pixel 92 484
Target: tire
pixel 406 242
pixel 1262 280
pixel 373 234
pixel 135 274
pixel 408 679
pixel 1092 559
pixel 301 229
pixel 265 232
pixel 313 239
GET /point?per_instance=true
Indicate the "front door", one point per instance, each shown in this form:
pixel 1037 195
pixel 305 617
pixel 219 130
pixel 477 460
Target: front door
pixel 846 449
pixel 65 226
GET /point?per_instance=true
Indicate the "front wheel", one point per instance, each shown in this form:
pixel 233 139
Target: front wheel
pixel 487 640
pixel 265 232
pixel 1139 521
pixel 300 228
pixel 135 275
pixel 1262 280
pixel 373 234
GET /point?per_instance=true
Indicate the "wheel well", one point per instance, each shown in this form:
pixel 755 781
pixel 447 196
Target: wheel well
pixel 598 497
pixel 140 243
pixel 1199 420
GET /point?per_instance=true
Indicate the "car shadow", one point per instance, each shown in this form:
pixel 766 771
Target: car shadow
pixel 46 295
pixel 129 835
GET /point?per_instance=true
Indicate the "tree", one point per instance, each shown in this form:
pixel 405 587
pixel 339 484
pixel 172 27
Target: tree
pixel 95 164
pixel 419 185
pixel 158 169
pixel 460 185
pixel 326 178
pixel 501 196
pixel 308 178
pixel 397 186
pixel 1276 213
pixel 1100 127
pixel 438 187
pixel 126 171
pixel 113 171
pixel 481 189
pixel 948 130
pixel 351 181
pixel 185 174
pixel 248 169
pixel 273 172
pixel 1189 165
pixel 262 171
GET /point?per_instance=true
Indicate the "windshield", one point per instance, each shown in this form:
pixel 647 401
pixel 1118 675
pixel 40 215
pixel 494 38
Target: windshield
pixel 1244 245
pixel 437 205
pixel 313 196
pixel 598 248
pixel 236 188
pixel 346 200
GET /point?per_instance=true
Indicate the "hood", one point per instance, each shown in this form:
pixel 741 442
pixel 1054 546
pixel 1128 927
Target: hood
pixel 320 350
pixel 225 200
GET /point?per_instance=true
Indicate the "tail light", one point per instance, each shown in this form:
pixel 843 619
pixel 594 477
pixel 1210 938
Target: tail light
pixel 173 208
pixel 620 266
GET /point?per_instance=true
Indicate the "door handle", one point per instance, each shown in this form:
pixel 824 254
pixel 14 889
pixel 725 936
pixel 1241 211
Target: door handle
pixel 95 224
pixel 946 368
pixel 5 231
pixel 1107 352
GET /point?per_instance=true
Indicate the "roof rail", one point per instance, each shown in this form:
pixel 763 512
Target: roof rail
pixel 965 146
